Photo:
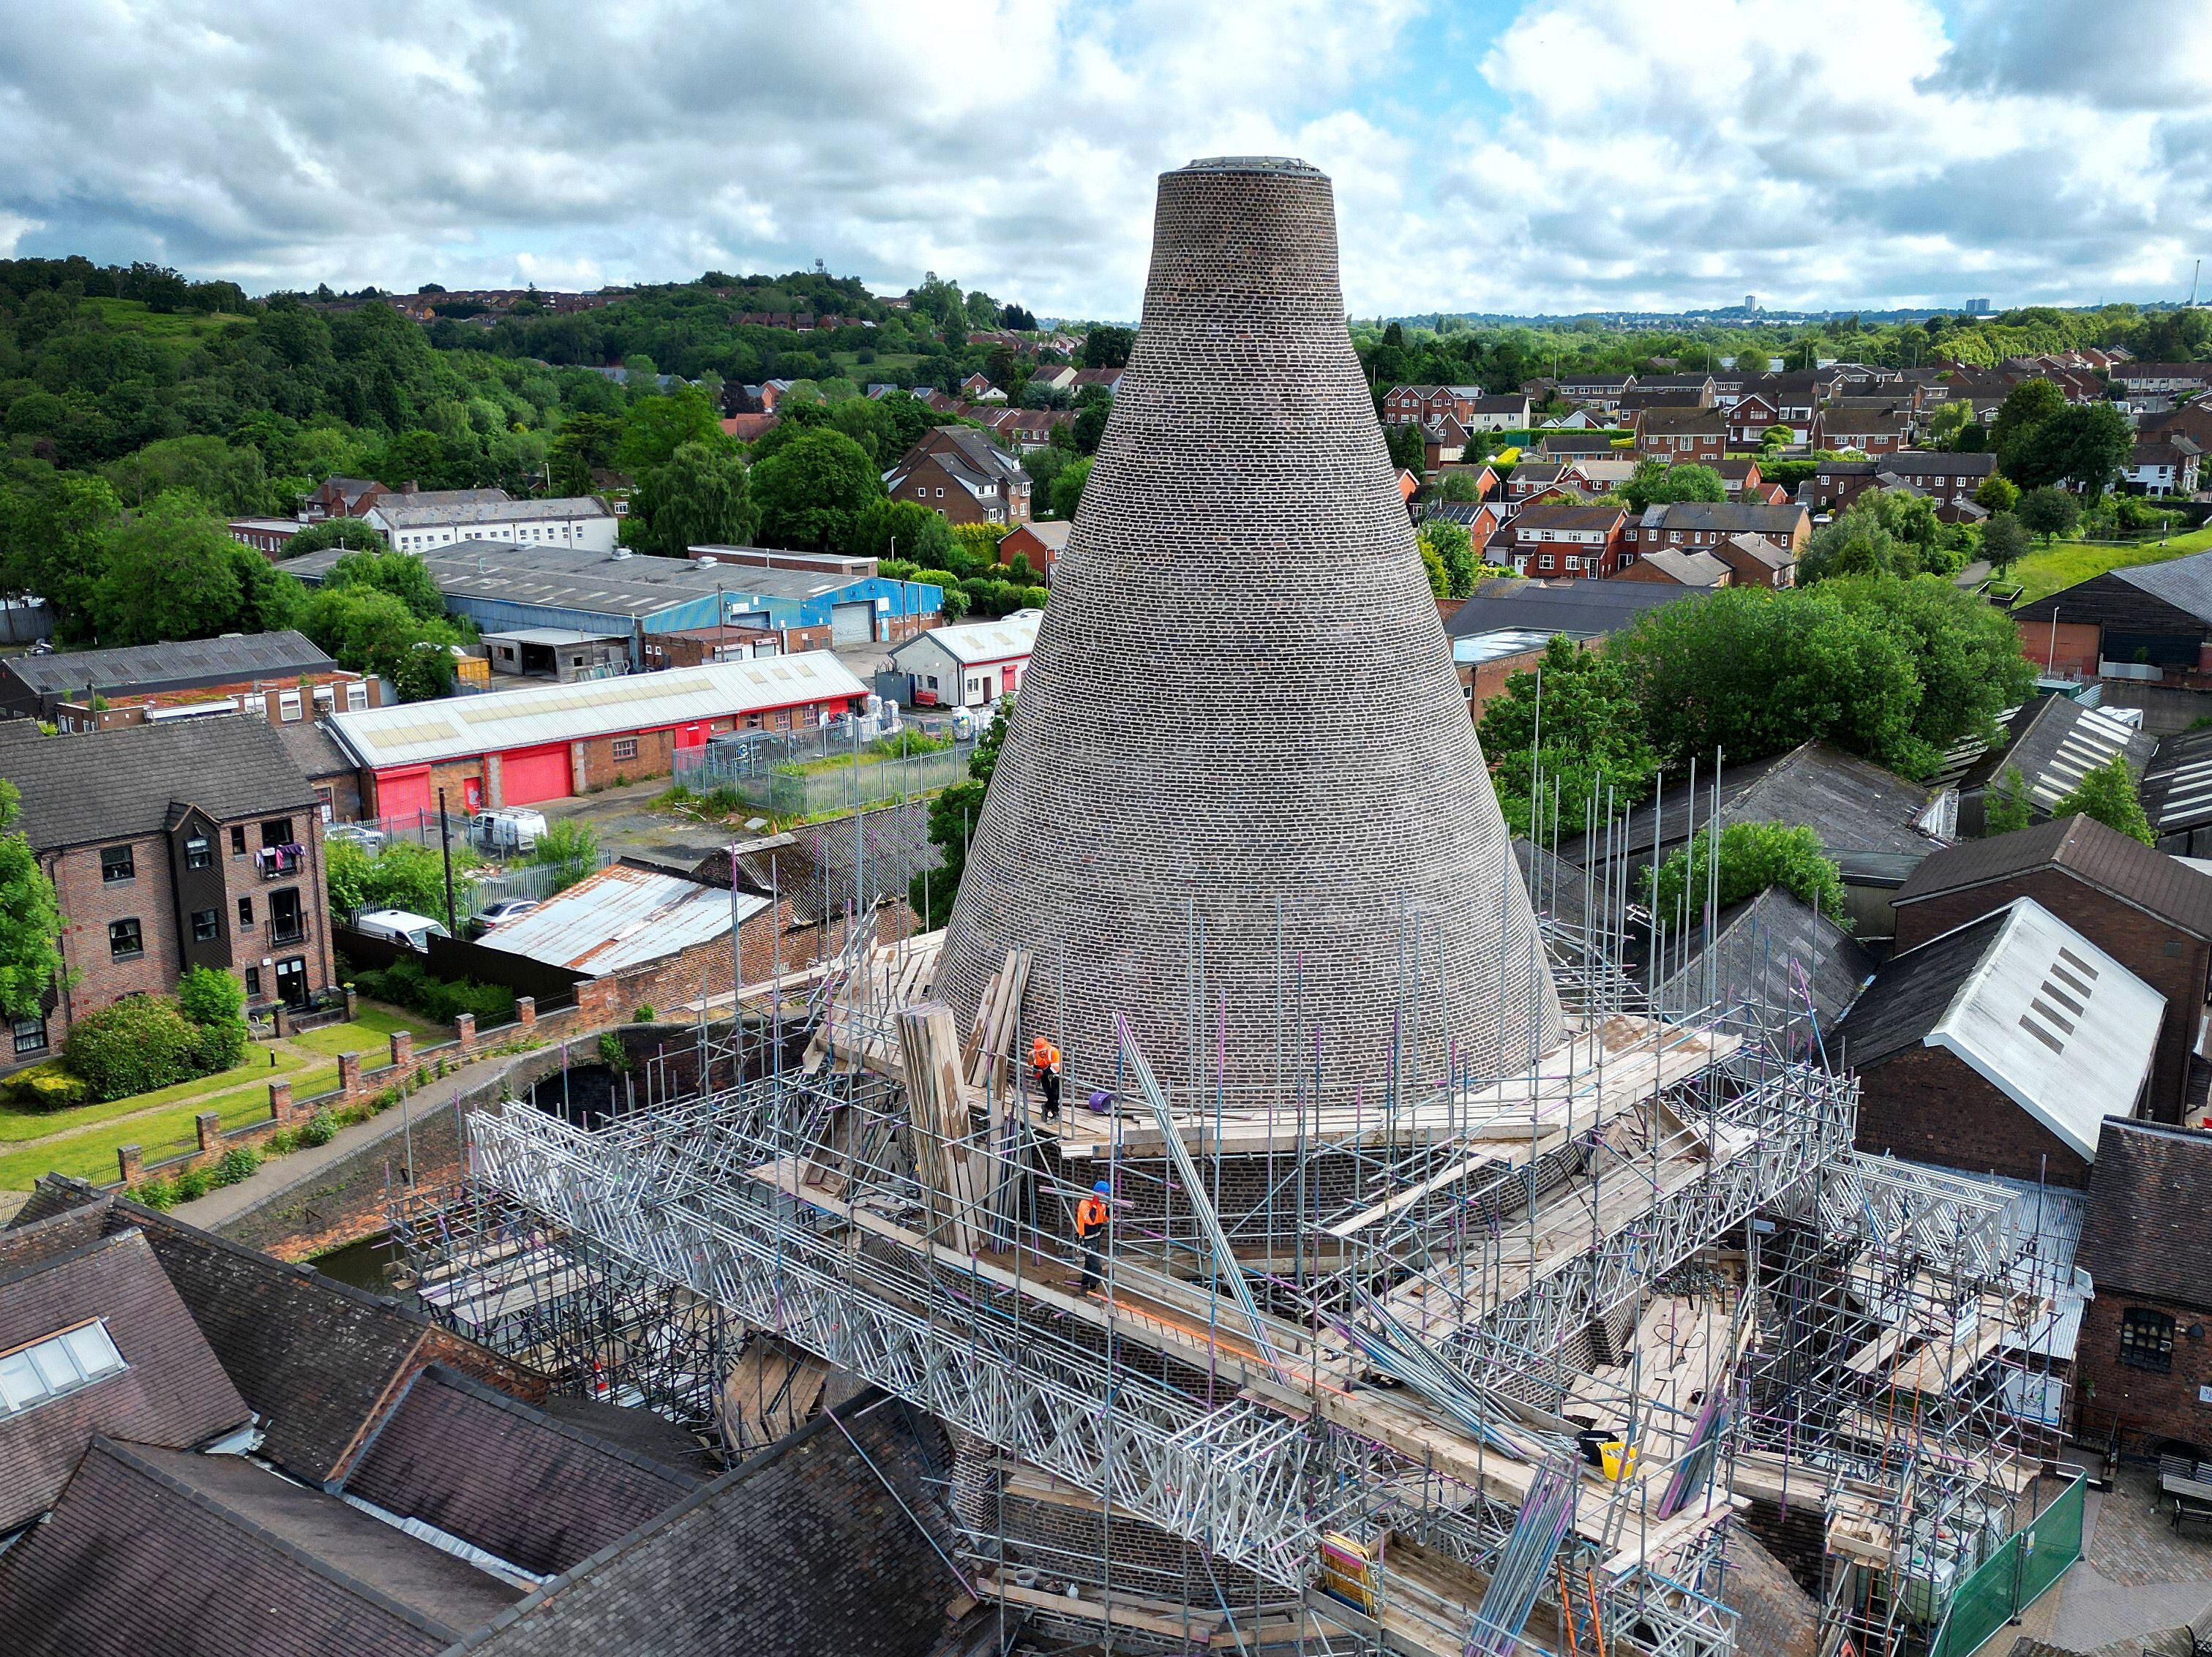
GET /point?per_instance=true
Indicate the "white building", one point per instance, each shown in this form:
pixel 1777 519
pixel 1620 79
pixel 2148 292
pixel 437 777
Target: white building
pixel 2165 465
pixel 971 666
pixel 579 521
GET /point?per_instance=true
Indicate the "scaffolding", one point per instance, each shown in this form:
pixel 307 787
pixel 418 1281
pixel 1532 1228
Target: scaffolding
pixel 1475 1363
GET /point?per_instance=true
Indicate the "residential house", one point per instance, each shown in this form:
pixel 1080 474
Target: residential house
pixel 553 741
pixel 1108 380
pixel 968 665
pixel 1600 393
pixel 1683 567
pixel 2142 1367
pixel 1030 429
pixel 1999 1046
pixel 1493 411
pixel 1743 482
pixel 2150 621
pixel 280 676
pixel 1948 479
pixel 1578 446
pixel 1581 610
pixel 197 843
pixel 328 770
pixel 751 428
pixel 1040 540
pixel 1690 525
pixel 1647 396
pixel 1533 478
pixel 964 478
pixel 1482 519
pixel 1869 431
pixel 1754 560
pixel 2166 379
pixel 1442 440
pixel 1675 434
pixel 978 388
pixel 1053 377
pixel 2192 420
pixel 2149 911
pixel 1552 537
pixel 2164 465
pixel 1786 400
pixel 1575 420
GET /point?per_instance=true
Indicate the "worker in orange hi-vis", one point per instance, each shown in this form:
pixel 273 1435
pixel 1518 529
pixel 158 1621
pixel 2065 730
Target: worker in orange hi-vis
pixel 1044 1065
pixel 1094 1219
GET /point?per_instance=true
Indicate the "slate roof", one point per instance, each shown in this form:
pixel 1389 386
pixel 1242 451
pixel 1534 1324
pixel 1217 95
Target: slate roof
pixel 1771 952
pixel 1759 549
pixel 512 1480
pixel 171 1392
pixel 2145 1233
pixel 2177 787
pixel 316 1358
pixel 2097 856
pixel 1690 568
pixel 1675 420
pixel 154 1550
pixel 1724 518
pixel 1590 609
pixel 313 749
pixel 110 785
pixel 173 666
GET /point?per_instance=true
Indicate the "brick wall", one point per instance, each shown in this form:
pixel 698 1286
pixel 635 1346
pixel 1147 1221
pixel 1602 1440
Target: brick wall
pixel 1926 1104
pixel 2149 1406
pixel 2165 957
pixel 812 1547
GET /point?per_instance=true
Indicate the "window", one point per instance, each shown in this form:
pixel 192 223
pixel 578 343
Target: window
pixel 2146 1340
pixel 116 862
pixel 237 841
pixel 30 1035
pixel 253 982
pixel 356 698
pixel 198 854
pixel 60 1363
pixel 123 942
pixel 625 747
pixel 277 831
pixel 245 912
pixel 207 926
pixel 287 925
pixel 287 706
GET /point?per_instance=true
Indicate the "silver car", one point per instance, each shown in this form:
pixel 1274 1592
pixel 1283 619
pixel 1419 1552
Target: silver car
pixel 493 914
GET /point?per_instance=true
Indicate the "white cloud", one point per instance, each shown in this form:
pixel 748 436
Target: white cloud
pixel 1605 152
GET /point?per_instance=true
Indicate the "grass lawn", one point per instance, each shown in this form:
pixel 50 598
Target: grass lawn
pixel 2054 568
pixel 240 1095
pixel 185 327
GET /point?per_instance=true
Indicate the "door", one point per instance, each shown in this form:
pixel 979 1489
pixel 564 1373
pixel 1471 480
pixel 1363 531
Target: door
pixel 693 735
pixel 403 793
pixel 853 623
pixel 472 793
pixel 292 980
pixel 530 775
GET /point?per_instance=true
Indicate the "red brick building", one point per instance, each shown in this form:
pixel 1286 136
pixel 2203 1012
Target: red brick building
pixel 959 473
pixel 1999 1046
pixel 197 844
pixel 1687 569
pixel 1551 538
pixel 1041 540
pixel 279 676
pixel 1700 434
pixel 2148 911
pixel 1689 525
pixel 2143 1362
pixel 1871 431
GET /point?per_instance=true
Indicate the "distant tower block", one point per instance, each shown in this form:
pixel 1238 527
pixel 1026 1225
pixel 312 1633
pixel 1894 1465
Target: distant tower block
pixel 1243 706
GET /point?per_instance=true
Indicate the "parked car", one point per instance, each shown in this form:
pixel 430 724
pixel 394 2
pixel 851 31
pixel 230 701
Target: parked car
pixel 371 841
pixel 512 828
pixel 498 914
pixel 400 927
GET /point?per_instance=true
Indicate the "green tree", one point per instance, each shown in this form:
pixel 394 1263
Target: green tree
pixel 585 443
pixel 812 492
pixel 2006 808
pixel 2107 793
pixel 355 533
pixel 232 480
pixel 2049 512
pixel 904 530
pixel 2004 541
pixel 570 849
pixel 1946 420
pixel 698 499
pixel 1407 451
pixel 1588 729
pixel 1754 362
pixel 403 876
pixel 1751 671
pixel 1654 482
pixel 1997 494
pixel 1107 348
pixel 401 574
pixel 1456 551
pixel 2025 408
pixel 2086 445
pixel 1753 856
pixel 1432 565
pixel 30 918
pixel 52 543
pixel 1067 489
pixel 1090 424
pixel 1882 531
pixel 953 816
pixel 169 572
pixel 656 427
pixel 1964 653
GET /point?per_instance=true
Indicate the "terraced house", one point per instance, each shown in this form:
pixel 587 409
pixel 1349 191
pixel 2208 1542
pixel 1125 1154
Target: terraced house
pixel 197 844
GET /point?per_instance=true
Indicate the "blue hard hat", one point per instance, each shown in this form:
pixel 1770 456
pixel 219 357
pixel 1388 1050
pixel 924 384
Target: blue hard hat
pixel 1104 1188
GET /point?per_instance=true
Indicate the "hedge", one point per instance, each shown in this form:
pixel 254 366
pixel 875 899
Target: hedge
pixel 406 984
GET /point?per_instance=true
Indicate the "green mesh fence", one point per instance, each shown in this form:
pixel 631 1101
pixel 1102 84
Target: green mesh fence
pixel 2014 1577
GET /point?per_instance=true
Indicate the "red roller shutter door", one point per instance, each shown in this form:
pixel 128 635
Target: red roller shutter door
pixel 527 775
pixel 403 793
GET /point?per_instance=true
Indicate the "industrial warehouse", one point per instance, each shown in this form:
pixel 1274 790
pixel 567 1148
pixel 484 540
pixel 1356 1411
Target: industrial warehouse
pixel 1395 1278
pixel 547 742
pixel 501 588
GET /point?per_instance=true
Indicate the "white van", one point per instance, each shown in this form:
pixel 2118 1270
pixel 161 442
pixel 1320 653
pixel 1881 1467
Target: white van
pixel 512 828
pixel 400 927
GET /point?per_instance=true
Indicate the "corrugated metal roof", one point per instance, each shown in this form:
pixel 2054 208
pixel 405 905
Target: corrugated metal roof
pixel 405 513
pixel 620 918
pixel 415 733
pixel 985 641
pixel 148 666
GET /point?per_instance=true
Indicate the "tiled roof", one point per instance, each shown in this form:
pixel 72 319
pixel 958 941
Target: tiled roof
pixel 1710 422
pixel 172 1390
pixel 2145 1234
pixel 2102 857
pixel 508 1478
pixel 1724 518
pixel 1771 952
pixel 1588 607
pixel 1758 548
pixel 1697 568
pixel 1560 515
pixel 313 749
pixel 108 785
pixel 155 1550
pixel 286 654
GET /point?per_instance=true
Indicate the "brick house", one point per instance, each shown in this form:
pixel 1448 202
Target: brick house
pixel 1947 479
pixel 1041 540
pixel 1552 538
pixel 1688 525
pixel 2142 1365
pixel 280 676
pixel 1756 561
pixel 1998 1047
pixel 2164 465
pixel 1786 400
pixel 1679 434
pixel 1871 431
pixel 1531 479
pixel 1599 392
pixel 1688 569
pixel 191 844
pixel 962 476
pixel 2147 911
pixel 356 497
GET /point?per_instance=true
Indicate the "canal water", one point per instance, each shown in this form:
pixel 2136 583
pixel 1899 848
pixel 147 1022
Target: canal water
pixel 364 1265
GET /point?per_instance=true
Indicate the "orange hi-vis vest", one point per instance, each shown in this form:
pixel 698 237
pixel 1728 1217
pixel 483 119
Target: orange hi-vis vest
pixel 1044 1057
pixel 1091 1215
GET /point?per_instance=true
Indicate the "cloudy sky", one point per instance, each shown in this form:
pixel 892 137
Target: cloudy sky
pixel 1552 156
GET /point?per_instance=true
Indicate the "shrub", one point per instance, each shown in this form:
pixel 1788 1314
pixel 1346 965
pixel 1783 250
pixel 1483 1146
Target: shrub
pixel 611 1052
pixel 47 1086
pixel 236 1164
pixel 208 997
pixel 157 1193
pixel 644 1015
pixel 405 983
pixel 319 1129
pixel 284 1142
pixel 137 1045
pixel 193 1184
